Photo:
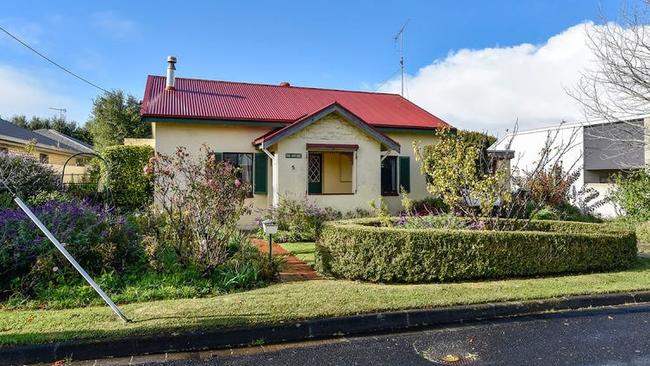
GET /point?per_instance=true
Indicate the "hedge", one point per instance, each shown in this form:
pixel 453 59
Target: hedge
pixel 362 250
pixel 123 168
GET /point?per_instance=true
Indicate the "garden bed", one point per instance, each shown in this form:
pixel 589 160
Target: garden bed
pixel 363 249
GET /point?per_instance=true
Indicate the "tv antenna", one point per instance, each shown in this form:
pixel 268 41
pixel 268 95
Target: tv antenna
pixel 62 111
pixel 399 39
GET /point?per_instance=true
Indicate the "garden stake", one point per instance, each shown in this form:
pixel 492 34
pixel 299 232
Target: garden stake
pixel 70 258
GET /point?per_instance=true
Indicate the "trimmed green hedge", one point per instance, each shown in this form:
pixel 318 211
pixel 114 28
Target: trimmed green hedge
pixel 123 167
pixel 362 250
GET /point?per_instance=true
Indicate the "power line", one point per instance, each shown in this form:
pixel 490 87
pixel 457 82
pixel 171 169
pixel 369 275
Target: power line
pixel 53 62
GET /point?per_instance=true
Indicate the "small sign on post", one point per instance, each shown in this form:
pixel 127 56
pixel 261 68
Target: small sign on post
pixel 270 227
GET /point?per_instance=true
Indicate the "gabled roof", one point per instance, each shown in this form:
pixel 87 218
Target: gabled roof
pixel 11 132
pixel 275 136
pixel 231 101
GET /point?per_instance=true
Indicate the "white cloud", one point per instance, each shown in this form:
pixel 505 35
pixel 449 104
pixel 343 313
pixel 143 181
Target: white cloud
pixel 23 94
pixel 488 89
pixel 116 25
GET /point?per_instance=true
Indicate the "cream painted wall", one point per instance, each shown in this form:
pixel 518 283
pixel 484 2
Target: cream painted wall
pixel 220 138
pixel 56 160
pixel 418 181
pixel 290 174
pixel 332 129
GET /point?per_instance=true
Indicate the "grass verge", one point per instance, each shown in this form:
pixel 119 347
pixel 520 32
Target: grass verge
pixel 303 251
pixel 297 301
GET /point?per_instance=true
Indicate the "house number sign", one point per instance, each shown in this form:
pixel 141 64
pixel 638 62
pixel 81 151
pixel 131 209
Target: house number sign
pixel 293 155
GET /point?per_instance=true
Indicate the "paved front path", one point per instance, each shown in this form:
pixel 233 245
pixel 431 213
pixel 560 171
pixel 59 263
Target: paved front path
pixel 615 336
pixel 294 269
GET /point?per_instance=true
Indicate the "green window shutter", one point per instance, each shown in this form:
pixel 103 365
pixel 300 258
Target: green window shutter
pixel 260 174
pixel 405 173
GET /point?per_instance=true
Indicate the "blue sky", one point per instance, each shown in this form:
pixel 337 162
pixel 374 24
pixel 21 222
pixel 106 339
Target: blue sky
pixel 335 44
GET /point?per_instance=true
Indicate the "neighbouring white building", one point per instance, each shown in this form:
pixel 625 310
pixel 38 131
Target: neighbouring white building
pixel 598 150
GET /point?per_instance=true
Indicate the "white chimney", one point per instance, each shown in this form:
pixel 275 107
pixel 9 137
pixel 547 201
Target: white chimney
pixel 171 78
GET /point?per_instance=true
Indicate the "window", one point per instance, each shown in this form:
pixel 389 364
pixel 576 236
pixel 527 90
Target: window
pixel 243 161
pixel 389 176
pixel 395 174
pixel 43 158
pixel 80 162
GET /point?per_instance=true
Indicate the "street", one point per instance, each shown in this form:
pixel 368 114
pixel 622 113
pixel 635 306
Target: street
pixel 613 336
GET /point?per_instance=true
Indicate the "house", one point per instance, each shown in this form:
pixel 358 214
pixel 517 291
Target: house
pixel 49 146
pixel 599 150
pixel 339 148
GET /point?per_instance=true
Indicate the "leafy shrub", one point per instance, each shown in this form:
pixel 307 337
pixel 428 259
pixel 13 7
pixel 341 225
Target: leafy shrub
pixel 201 202
pixel 429 205
pixel 633 194
pixel 300 220
pixel 545 213
pixel 551 186
pixel 643 232
pixel 123 169
pixel 444 221
pixel 26 176
pixel 363 250
pixel 98 239
pixel 44 197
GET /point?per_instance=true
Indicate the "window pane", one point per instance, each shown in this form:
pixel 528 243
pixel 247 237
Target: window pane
pixel 389 176
pixel 243 162
pixel 246 166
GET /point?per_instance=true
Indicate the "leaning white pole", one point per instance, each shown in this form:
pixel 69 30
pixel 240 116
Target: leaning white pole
pixel 70 258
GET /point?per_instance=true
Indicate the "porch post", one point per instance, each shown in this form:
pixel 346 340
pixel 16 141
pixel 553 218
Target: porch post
pixel 275 178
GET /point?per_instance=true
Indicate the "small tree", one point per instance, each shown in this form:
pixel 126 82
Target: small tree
pixel 632 194
pixel 452 173
pixel 114 117
pixel 202 200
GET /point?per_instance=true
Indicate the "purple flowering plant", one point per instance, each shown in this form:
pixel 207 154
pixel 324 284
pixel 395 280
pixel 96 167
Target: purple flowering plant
pixel 99 239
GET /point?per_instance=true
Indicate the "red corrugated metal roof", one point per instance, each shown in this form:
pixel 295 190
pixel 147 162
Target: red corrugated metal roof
pixel 213 99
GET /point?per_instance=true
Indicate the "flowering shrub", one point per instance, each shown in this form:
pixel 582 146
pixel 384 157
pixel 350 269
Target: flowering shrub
pixel 200 201
pixel 98 239
pixel 26 176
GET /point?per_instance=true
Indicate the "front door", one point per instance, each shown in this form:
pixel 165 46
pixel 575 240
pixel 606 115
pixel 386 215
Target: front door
pixel 315 173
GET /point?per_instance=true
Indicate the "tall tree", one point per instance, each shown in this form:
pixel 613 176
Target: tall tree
pixel 616 87
pixel 60 124
pixel 114 117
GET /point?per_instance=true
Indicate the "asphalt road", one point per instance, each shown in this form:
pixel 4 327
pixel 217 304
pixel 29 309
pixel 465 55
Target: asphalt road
pixel 613 336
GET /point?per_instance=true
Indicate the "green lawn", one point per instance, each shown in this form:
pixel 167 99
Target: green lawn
pixel 304 251
pixel 297 300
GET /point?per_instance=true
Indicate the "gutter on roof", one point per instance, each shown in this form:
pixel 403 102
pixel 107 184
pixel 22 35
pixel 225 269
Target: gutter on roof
pixel 37 144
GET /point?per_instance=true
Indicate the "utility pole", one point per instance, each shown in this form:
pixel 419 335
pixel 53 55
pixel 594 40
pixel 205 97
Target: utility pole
pixel 399 39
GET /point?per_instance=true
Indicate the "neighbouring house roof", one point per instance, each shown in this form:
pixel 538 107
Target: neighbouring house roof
pixel 66 140
pixel 233 101
pixel 12 133
pixel 274 137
